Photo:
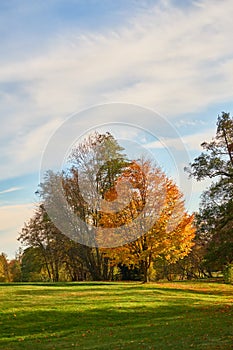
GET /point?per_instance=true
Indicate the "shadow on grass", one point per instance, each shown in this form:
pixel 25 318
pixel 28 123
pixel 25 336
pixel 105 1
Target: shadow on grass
pixel 56 284
pixel 177 324
pixel 120 287
pixel 123 316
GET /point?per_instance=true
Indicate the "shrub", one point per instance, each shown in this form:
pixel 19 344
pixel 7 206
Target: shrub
pixel 228 274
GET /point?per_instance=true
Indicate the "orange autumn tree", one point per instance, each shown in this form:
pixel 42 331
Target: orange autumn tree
pixel 143 217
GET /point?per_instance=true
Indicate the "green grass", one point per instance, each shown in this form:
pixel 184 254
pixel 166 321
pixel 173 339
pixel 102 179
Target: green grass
pixel 179 315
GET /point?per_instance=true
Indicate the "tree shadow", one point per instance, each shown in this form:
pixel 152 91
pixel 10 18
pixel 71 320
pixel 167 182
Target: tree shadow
pixel 126 323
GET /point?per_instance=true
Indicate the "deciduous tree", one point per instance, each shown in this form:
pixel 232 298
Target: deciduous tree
pixel 155 222
pixel 215 218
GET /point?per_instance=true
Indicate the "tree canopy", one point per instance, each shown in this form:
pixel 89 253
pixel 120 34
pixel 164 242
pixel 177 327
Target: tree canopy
pixel 215 218
pixel 131 213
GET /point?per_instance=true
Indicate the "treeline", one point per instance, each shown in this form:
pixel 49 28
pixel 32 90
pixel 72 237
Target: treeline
pixel 31 266
pixel 110 218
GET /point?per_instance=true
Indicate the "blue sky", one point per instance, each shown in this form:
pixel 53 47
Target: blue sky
pixel 59 57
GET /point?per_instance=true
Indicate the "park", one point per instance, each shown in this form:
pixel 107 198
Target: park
pixel 116 181
pixel 171 288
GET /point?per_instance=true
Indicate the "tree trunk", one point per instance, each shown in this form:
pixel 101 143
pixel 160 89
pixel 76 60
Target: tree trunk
pixel 145 269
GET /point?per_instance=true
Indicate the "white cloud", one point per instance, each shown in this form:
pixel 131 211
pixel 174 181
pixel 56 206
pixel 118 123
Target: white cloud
pixel 170 59
pixel 24 152
pixel 12 218
pixel 191 142
pixel 167 58
pixel 11 189
pixel 173 60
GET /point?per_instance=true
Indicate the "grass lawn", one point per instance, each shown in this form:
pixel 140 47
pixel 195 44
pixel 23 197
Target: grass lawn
pixel 112 316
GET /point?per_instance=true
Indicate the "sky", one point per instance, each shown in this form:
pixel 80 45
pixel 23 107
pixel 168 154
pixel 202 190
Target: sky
pixel 60 58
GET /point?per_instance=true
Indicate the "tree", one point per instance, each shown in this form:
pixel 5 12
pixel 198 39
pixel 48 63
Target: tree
pixel 42 235
pixel 215 218
pixel 31 265
pixel 49 250
pixel 72 199
pixel 215 222
pixel 15 270
pixel 103 201
pixel 4 268
pixel 10 270
pixel 96 163
pixel 163 229
pixel 217 160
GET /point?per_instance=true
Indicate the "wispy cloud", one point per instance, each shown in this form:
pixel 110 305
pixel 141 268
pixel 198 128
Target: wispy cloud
pixel 170 59
pixel 191 142
pixel 174 59
pixel 11 189
pixel 191 123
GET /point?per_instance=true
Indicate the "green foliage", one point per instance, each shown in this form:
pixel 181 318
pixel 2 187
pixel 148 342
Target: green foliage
pixel 228 274
pixel 215 217
pixel 31 265
pixel 49 253
pixel 215 222
pixel 99 160
pixel 217 160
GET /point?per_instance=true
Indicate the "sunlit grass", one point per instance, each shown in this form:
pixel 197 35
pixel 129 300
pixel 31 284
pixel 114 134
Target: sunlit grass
pixel 179 315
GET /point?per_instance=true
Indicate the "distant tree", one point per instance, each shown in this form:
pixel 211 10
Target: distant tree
pixel 15 270
pixel 31 265
pixel 4 268
pixel 40 233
